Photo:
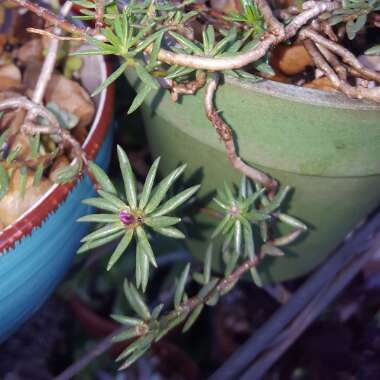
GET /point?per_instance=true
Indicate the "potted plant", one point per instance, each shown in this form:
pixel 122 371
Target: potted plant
pixel 270 134
pixel 300 135
pixel 38 235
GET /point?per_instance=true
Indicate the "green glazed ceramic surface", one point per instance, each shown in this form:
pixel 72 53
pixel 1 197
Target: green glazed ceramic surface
pixel 322 144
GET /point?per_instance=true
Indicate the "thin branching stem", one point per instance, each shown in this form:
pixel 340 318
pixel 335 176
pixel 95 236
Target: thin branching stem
pixel 341 85
pixel 51 17
pixel 54 128
pixel 347 57
pixel 312 9
pixel 269 39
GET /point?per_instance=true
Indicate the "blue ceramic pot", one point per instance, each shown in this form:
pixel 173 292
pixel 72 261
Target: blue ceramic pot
pixel 37 250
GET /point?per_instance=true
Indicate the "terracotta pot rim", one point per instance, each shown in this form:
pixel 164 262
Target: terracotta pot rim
pixel 34 217
pixel 303 95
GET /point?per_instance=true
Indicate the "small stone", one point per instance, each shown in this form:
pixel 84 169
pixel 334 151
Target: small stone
pixel 31 51
pixel 10 77
pixel 78 102
pixel 226 6
pixel 290 60
pixel 322 83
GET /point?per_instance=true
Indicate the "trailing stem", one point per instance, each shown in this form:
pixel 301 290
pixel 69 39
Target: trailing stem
pixel 226 135
pixel 186 307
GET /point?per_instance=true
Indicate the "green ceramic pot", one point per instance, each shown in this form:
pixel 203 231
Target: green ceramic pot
pixel 324 145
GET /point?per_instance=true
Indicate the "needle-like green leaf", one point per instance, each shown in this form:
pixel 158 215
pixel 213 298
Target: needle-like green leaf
pixel 170 232
pixel 162 188
pixel 99 218
pixel 193 317
pixel 120 249
pixel 119 204
pixel 148 185
pixel 146 77
pixel 128 177
pixel 221 226
pixel 145 245
pixel 136 301
pixel 140 97
pixel 99 242
pixel 207 264
pixel 116 74
pixel 181 286
pixel 237 236
pixel 142 268
pixel 161 221
pixel 101 204
pixel 176 201
pixel 186 43
pixel 101 178
pixel 109 229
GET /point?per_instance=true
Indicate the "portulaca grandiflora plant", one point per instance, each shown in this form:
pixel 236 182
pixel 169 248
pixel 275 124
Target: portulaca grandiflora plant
pixel 163 42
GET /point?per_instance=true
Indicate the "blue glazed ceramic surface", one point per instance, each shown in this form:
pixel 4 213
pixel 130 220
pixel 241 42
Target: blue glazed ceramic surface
pixel 30 272
pixel 32 268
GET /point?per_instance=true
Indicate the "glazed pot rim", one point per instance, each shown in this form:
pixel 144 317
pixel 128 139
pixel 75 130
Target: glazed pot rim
pixel 303 95
pixel 35 216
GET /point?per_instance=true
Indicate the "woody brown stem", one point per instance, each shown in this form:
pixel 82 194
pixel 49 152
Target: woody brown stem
pixel 275 35
pixel 225 134
pixel 347 57
pixel 187 88
pixel 341 85
pixel 312 9
pixel 274 26
pixel 334 62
